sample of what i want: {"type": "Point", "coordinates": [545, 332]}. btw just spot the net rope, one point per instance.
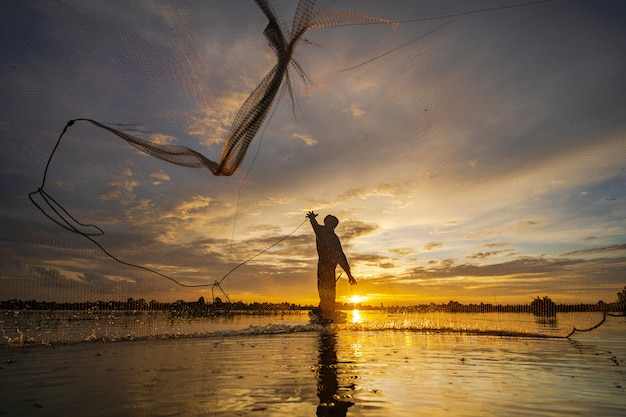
{"type": "Point", "coordinates": [247, 121]}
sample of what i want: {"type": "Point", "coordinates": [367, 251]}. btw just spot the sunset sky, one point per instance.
{"type": "Point", "coordinates": [479, 158]}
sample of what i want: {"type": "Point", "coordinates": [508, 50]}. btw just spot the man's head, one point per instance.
{"type": "Point", "coordinates": [331, 221]}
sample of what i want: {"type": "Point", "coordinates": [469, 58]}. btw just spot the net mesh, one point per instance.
{"type": "Point", "coordinates": [473, 154]}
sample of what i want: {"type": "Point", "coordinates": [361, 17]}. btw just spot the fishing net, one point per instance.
{"type": "Point", "coordinates": [473, 154]}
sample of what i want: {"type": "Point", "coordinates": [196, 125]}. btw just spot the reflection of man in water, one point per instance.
{"type": "Point", "coordinates": [330, 255]}
{"type": "Point", "coordinates": [329, 388]}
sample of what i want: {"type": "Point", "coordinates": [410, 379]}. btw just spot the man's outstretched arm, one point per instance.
{"type": "Point", "coordinates": [312, 217]}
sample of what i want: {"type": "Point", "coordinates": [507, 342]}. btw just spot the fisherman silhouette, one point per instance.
{"type": "Point", "coordinates": [330, 255]}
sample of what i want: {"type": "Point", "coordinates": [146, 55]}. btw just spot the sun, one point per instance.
{"type": "Point", "coordinates": [356, 299]}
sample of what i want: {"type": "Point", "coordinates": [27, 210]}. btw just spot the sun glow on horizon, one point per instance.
{"type": "Point", "coordinates": [356, 299]}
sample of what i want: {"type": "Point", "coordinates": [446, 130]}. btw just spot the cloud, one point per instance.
{"type": "Point", "coordinates": [603, 249]}
{"type": "Point", "coordinates": [356, 111]}
{"type": "Point", "coordinates": [480, 234]}
{"type": "Point", "coordinates": [189, 209]}
{"type": "Point", "coordinates": [161, 138]}
{"type": "Point", "coordinates": [380, 190]}
{"type": "Point", "coordinates": [371, 259]}
{"type": "Point", "coordinates": [403, 251]}
{"type": "Point", "coordinates": [160, 177]}
{"type": "Point", "coordinates": [64, 185]}
{"type": "Point", "coordinates": [530, 268]}
{"type": "Point", "coordinates": [496, 245]}
{"type": "Point", "coordinates": [122, 189]}
{"type": "Point", "coordinates": [213, 122]}
{"type": "Point", "coordinates": [307, 139]}
{"type": "Point", "coordinates": [446, 263]}
{"type": "Point", "coordinates": [431, 246]}
{"type": "Point", "coordinates": [352, 229]}
{"type": "Point", "coordinates": [485, 255]}
{"type": "Point", "coordinates": [524, 224]}
{"type": "Point", "coordinates": [438, 231]}
{"type": "Point", "coordinates": [118, 278]}
{"type": "Point", "coordinates": [51, 277]}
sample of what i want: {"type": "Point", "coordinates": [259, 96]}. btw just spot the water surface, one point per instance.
{"type": "Point", "coordinates": [277, 366]}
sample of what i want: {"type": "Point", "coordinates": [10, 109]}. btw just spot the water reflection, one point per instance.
{"type": "Point", "coordinates": [546, 322]}
{"type": "Point", "coordinates": [356, 317]}
{"type": "Point", "coordinates": [329, 389]}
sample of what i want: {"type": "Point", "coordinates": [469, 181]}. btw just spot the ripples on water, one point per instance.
{"type": "Point", "coordinates": [374, 365]}
{"type": "Point", "coordinates": [37, 327]}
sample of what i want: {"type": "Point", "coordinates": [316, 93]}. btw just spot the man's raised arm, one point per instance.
{"type": "Point", "coordinates": [312, 217]}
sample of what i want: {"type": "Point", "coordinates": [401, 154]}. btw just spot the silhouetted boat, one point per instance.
{"type": "Point", "coordinates": [543, 307]}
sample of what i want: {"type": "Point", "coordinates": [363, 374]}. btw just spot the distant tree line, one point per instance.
{"type": "Point", "coordinates": [218, 307]}
{"type": "Point", "coordinates": [177, 308]}
{"type": "Point", "coordinates": [456, 307]}
{"type": "Point", "coordinates": [539, 306]}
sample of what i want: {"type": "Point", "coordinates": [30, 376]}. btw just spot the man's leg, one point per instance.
{"type": "Point", "coordinates": [327, 290]}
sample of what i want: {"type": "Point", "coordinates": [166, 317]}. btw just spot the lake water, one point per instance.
{"type": "Point", "coordinates": [377, 364]}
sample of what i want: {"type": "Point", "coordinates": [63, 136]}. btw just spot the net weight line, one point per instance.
{"type": "Point", "coordinates": [595, 326]}
{"type": "Point", "coordinates": [55, 211]}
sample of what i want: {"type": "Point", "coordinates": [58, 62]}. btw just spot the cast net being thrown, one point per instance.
{"type": "Point", "coordinates": [473, 154]}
